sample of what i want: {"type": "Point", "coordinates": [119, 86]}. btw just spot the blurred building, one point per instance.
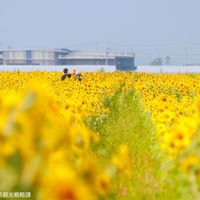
{"type": "Point", "coordinates": [122, 60]}
{"type": "Point", "coordinates": [31, 57]}
{"type": "Point", "coordinates": [1, 57]}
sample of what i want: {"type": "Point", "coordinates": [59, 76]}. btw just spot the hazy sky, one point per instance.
{"type": "Point", "coordinates": [150, 28]}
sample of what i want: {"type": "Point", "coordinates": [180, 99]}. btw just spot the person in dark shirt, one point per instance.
{"type": "Point", "coordinates": [66, 74]}
{"type": "Point", "coordinates": [63, 77]}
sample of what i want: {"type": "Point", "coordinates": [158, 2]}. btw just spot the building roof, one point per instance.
{"type": "Point", "coordinates": [35, 49]}
{"type": "Point", "coordinates": [95, 54]}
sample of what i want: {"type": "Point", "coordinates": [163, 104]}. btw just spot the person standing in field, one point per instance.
{"type": "Point", "coordinates": [66, 74]}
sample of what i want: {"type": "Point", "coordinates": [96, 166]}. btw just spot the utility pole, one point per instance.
{"type": "Point", "coordinates": [107, 52]}
{"type": "Point", "coordinates": [186, 54]}
{"type": "Point", "coordinates": [97, 46]}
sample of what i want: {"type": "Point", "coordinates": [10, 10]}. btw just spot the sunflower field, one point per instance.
{"type": "Point", "coordinates": [110, 136]}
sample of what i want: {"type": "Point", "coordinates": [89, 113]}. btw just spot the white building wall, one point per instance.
{"type": "Point", "coordinates": [51, 55]}
{"type": "Point", "coordinates": [56, 68]}
{"type": "Point", "coordinates": [43, 57]}
{"type": "Point", "coordinates": [19, 55]}
{"type": "Point", "coordinates": [14, 57]}
{"type": "Point", "coordinates": [37, 55]}
{"type": "Point", "coordinates": [168, 69]}
{"type": "Point", "coordinates": [1, 55]}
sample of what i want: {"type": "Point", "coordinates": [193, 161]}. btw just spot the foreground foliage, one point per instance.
{"type": "Point", "coordinates": [111, 136]}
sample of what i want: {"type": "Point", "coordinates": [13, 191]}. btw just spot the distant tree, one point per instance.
{"type": "Point", "coordinates": [156, 61]}
{"type": "Point", "coordinates": [168, 60]}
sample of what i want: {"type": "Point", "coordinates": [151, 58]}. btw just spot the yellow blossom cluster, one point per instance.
{"type": "Point", "coordinates": [80, 97]}
{"type": "Point", "coordinates": [174, 101]}
{"type": "Point", "coordinates": [45, 145]}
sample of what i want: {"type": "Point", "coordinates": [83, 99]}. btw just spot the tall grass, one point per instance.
{"type": "Point", "coordinates": [153, 175]}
